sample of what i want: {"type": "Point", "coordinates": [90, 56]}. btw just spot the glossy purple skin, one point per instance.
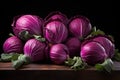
{"type": "Point", "coordinates": [30, 23]}
{"type": "Point", "coordinates": [93, 53]}
{"type": "Point", "coordinates": [13, 44]}
{"type": "Point", "coordinates": [35, 50]}
{"type": "Point", "coordinates": [56, 32]}
{"type": "Point", "coordinates": [80, 27]}
{"type": "Point", "coordinates": [59, 53]}
{"type": "Point", "coordinates": [57, 15]}
{"type": "Point", "coordinates": [107, 44]}
{"type": "Point", "coordinates": [73, 45]}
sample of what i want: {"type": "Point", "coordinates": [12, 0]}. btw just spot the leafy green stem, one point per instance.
{"type": "Point", "coordinates": [75, 63]}
{"type": "Point", "coordinates": [107, 66]}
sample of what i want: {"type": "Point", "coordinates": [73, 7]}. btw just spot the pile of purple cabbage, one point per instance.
{"type": "Point", "coordinates": [58, 40]}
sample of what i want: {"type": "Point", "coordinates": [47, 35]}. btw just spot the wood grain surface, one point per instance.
{"type": "Point", "coordinates": [55, 72]}
{"type": "Point", "coordinates": [34, 66]}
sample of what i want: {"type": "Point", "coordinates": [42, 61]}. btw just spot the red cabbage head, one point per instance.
{"type": "Point", "coordinates": [55, 31]}
{"type": "Point", "coordinates": [34, 49]}
{"type": "Point", "coordinates": [13, 44]}
{"type": "Point", "coordinates": [79, 26]}
{"type": "Point", "coordinates": [30, 23]}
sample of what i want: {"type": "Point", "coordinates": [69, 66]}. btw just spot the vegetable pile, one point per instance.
{"type": "Point", "coordinates": [58, 40]}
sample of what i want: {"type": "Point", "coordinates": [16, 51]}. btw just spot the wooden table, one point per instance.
{"type": "Point", "coordinates": [55, 72]}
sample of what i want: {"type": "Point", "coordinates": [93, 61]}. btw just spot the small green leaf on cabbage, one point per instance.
{"type": "Point", "coordinates": [8, 57]}
{"type": "Point", "coordinates": [22, 59]}
{"type": "Point", "coordinates": [106, 66]}
{"type": "Point", "coordinates": [116, 56]}
{"type": "Point", "coordinates": [76, 63]}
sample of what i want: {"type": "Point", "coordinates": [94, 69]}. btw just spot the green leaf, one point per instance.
{"type": "Point", "coordinates": [24, 35]}
{"type": "Point", "coordinates": [8, 57]}
{"type": "Point", "coordinates": [79, 64]}
{"type": "Point", "coordinates": [107, 66]}
{"type": "Point", "coordinates": [39, 37]}
{"type": "Point", "coordinates": [22, 59]}
{"type": "Point", "coordinates": [17, 63]}
{"type": "Point", "coordinates": [15, 56]}
{"type": "Point", "coordinates": [95, 32]}
{"type": "Point", "coordinates": [94, 29]}
{"type": "Point", "coordinates": [99, 67]}
{"type": "Point", "coordinates": [75, 63]}
{"type": "Point", "coordinates": [70, 62]}
{"type": "Point", "coordinates": [116, 56]}
{"type": "Point", "coordinates": [10, 34]}
{"type": "Point", "coordinates": [111, 37]}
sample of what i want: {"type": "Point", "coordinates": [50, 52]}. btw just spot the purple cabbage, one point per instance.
{"type": "Point", "coordinates": [13, 45]}
{"type": "Point", "coordinates": [73, 45]}
{"type": "Point", "coordinates": [55, 31]}
{"type": "Point", "coordinates": [35, 50]}
{"type": "Point", "coordinates": [107, 44]}
{"type": "Point", "coordinates": [93, 53]}
{"type": "Point", "coordinates": [59, 53]}
{"type": "Point", "coordinates": [31, 23]}
{"type": "Point", "coordinates": [79, 26]}
{"type": "Point", "coordinates": [57, 15]}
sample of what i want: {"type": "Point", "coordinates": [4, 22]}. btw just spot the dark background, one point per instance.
{"type": "Point", "coordinates": [100, 12]}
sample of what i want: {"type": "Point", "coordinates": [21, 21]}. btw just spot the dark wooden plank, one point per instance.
{"type": "Point", "coordinates": [55, 72]}
{"type": "Point", "coordinates": [8, 66]}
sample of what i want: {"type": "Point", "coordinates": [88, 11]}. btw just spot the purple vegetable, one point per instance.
{"type": "Point", "coordinates": [57, 15]}
{"type": "Point", "coordinates": [34, 49]}
{"type": "Point", "coordinates": [13, 44]}
{"type": "Point", "coordinates": [59, 53]}
{"type": "Point", "coordinates": [79, 26]}
{"type": "Point", "coordinates": [107, 44]}
{"type": "Point", "coordinates": [55, 31]}
{"type": "Point", "coordinates": [30, 23]}
{"type": "Point", "coordinates": [93, 53]}
{"type": "Point", "coordinates": [73, 45]}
